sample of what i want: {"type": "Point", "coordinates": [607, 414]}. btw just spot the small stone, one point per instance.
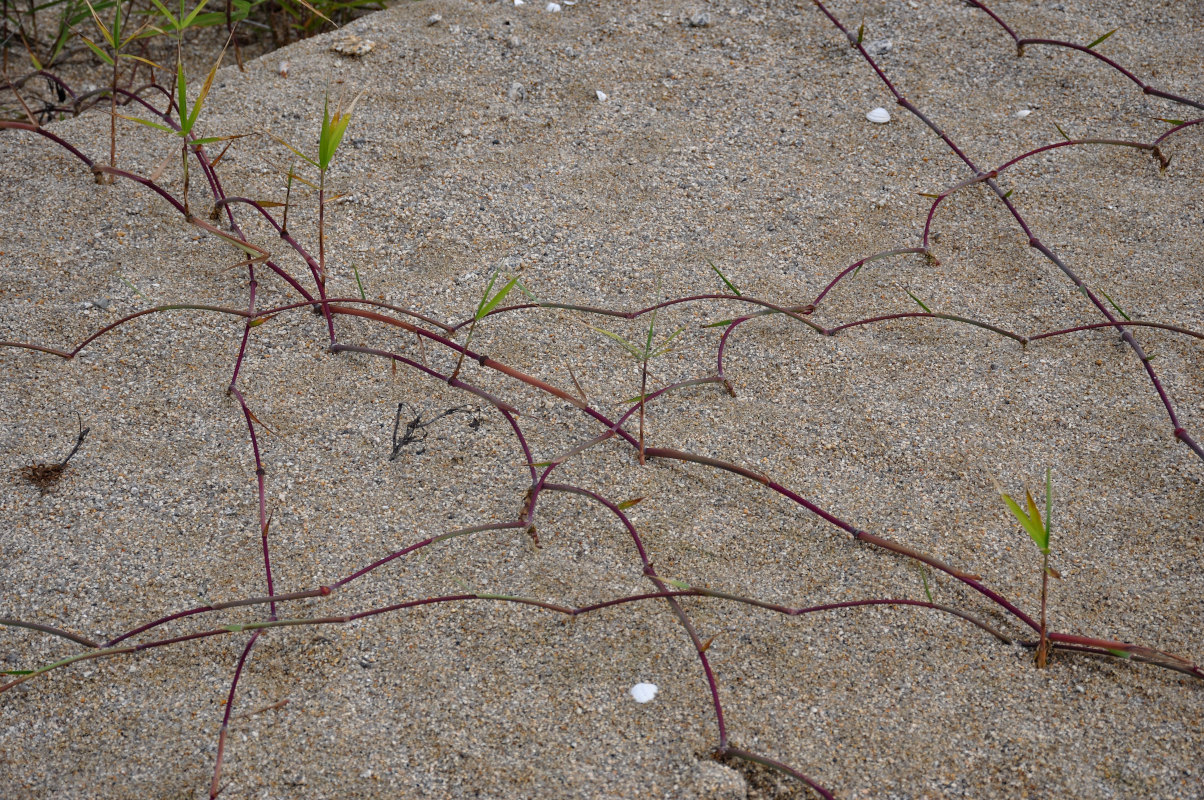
{"type": "Point", "coordinates": [553, 7]}
{"type": "Point", "coordinates": [879, 115]}
{"type": "Point", "coordinates": [879, 47]}
{"type": "Point", "coordinates": [519, 3]}
{"type": "Point", "coordinates": [517, 93]}
{"type": "Point", "coordinates": [104, 304]}
{"type": "Point", "coordinates": [700, 20]}
{"type": "Point", "coordinates": [514, 41]}
{"type": "Point", "coordinates": [644, 692]}
{"type": "Point", "coordinates": [352, 45]}
{"type": "Point", "coordinates": [434, 19]}
{"type": "Point", "coordinates": [284, 69]}
{"type": "Point", "coordinates": [1022, 113]}
{"type": "Point", "coordinates": [601, 96]}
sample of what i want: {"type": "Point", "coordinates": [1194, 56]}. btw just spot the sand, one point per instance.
{"type": "Point", "coordinates": [481, 144]}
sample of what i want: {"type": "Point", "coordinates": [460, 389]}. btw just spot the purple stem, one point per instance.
{"type": "Point", "coordinates": [1179, 430]}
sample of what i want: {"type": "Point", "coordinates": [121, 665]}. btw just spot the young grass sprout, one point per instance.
{"type": "Point", "coordinates": [1039, 531]}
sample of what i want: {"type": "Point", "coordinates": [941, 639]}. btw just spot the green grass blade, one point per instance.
{"type": "Point", "coordinates": [200, 99]}
{"type": "Point", "coordinates": [147, 123]}
{"type": "Point", "coordinates": [182, 92]}
{"type": "Point", "coordinates": [1103, 38]}
{"type": "Point", "coordinates": [187, 21]}
{"type": "Point", "coordinates": [666, 345]}
{"type": "Point", "coordinates": [101, 54]}
{"type": "Point", "coordinates": [359, 282]}
{"type": "Point", "coordinates": [1112, 302]}
{"type": "Point", "coordinates": [1031, 526]}
{"type": "Point", "coordinates": [497, 298]}
{"type": "Point", "coordinates": [1048, 506]}
{"type": "Point", "coordinates": [726, 282]}
{"type": "Point", "coordinates": [918, 300]}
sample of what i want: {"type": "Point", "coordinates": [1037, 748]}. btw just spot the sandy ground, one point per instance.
{"type": "Point", "coordinates": [481, 144]}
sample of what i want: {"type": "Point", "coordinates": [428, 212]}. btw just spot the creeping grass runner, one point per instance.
{"type": "Point", "coordinates": [1003, 621]}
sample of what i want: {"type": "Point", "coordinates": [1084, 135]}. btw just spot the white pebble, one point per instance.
{"type": "Point", "coordinates": [644, 692]}
{"type": "Point", "coordinates": [1022, 113]}
{"type": "Point", "coordinates": [284, 69]}
{"type": "Point", "coordinates": [601, 96]}
{"type": "Point", "coordinates": [879, 115]}
{"type": "Point", "coordinates": [553, 7]}
{"type": "Point", "coordinates": [519, 3]}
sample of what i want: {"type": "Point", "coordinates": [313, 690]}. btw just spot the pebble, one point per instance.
{"type": "Point", "coordinates": [553, 7]}
{"type": "Point", "coordinates": [601, 96]}
{"type": "Point", "coordinates": [517, 93]}
{"type": "Point", "coordinates": [1022, 113]}
{"type": "Point", "coordinates": [700, 20]}
{"type": "Point", "coordinates": [879, 47]}
{"type": "Point", "coordinates": [434, 19]}
{"type": "Point", "coordinates": [879, 115]}
{"type": "Point", "coordinates": [352, 45]}
{"type": "Point", "coordinates": [514, 41]}
{"type": "Point", "coordinates": [644, 692]}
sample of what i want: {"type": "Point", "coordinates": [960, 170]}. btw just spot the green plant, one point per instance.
{"type": "Point", "coordinates": [643, 354]}
{"type": "Point", "coordinates": [115, 38]}
{"type": "Point", "coordinates": [1038, 530]}
{"type": "Point", "coordinates": [484, 308]}
{"type": "Point", "coordinates": [188, 117]}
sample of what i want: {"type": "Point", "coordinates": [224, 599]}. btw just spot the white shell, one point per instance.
{"type": "Point", "coordinates": [284, 69]}
{"type": "Point", "coordinates": [879, 115]}
{"type": "Point", "coordinates": [601, 96]}
{"type": "Point", "coordinates": [553, 7]}
{"type": "Point", "coordinates": [1022, 113]}
{"type": "Point", "coordinates": [644, 692]}
{"type": "Point", "coordinates": [519, 2]}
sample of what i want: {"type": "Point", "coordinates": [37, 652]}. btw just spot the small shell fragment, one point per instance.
{"type": "Point", "coordinates": [284, 69]}
{"type": "Point", "coordinates": [1022, 113]}
{"type": "Point", "coordinates": [879, 115]}
{"type": "Point", "coordinates": [644, 692]}
{"type": "Point", "coordinates": [352, 45]}
{"type": "Point", "coordinates": [553, 7]}
{"type": "Point", "coordinates": [601, 96]}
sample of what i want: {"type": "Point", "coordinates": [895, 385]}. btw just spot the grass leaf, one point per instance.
{"type": "Point", "coordinates": [148, 123]}
{"type": "Point", "coordinates": [626, 504]}
{"type": "Point", "coordinates": [628, 346]}
{"type": "Point", "coordinates": [101, 54]}
{"type": "Point", "coordinates": [1031, 525]}
{"type": "Point", "coordinates": [1102, 38]}
{"type": "Point", "coordinates": [298, 153]}
{"type": "Point", "coordinates": [1112, 302]}
{"type": "Point", "coordinates": [726, 282]}
{"type": "Point", "coordinates": [484, 310]}
{"type": "Point", "coordinates": [918, 300]}
{"type": "Point", "coordinates": [359, 282]}
{"type": "Point", "coordinates": [200, 100]}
